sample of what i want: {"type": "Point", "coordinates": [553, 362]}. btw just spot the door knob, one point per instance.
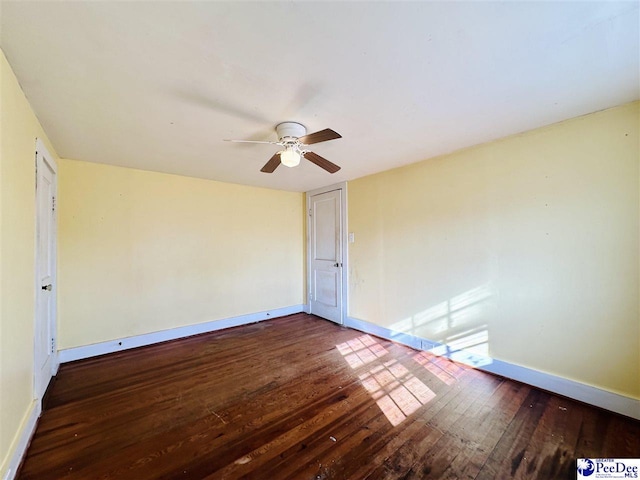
{"type": "Point", "coordinates": [47, 287]}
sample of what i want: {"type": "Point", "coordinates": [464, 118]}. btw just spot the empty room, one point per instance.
{"type": "Point", "coordinates": [319, 240]}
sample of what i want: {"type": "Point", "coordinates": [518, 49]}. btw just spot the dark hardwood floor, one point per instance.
{"type": "Point", "coordinates": [302, 398]}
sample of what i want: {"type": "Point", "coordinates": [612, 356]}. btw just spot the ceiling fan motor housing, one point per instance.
{"type": "Point", "coordinates": [290, 130]}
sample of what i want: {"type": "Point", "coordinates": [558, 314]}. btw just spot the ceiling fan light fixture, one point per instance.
{"type": "Point", "coordinates": [290, 157]}
{"type": "Point", "coordinates": [294, 138]}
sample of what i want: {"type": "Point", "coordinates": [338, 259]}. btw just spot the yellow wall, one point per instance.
{"type": "Point", "coordinates": [18, 131]}
{"type": "Point", "coordinates": [526, 249]}
{"type": "Point", "coordinates": [141, 252]}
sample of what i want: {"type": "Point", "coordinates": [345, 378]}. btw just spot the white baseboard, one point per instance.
{"type": "Point", "coordinates": [399, 337]}
{"type": "Point", "coordinates": [23, 440]}
{"type": "Point", "coordinates": [562, 386]}
{"type": "Point", "coordinates": [87, 351]}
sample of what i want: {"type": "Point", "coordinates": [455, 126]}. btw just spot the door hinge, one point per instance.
{"type": "Point", "coordinates": [53, 204]}
{"type": "Point", "coordinates": [53, 345]}
{"type": "Point", "coordinates": [309, 212]}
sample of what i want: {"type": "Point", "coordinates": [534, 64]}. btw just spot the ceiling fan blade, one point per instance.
{"type": "Point", "coordinates": [272, 164]}
{"type": "Point", "coordinates": [321, 136]}
{"type": "Point", "coordinates": [250, 141]}
{"type": "Point", "coordinates": [321, 162]}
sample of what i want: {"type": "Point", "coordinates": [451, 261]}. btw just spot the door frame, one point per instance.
{"type": "Point", "coordinates": [43, 157]}
{"type": "Point", "coordinates": [343, 243]}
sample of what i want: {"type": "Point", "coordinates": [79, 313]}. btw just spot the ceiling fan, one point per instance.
{"type": "Point", "coordinates": [293, 137]}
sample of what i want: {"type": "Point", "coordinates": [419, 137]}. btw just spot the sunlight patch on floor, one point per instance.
{"type": "Point", "coordinates": [445, 373]}
{"type": "Point", "coordinates": [361, 351]}
{"type": "Point", "coordinates": [397, 392]}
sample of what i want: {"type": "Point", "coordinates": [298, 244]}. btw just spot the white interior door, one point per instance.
{"type": "Point", "coordinates": [325, 235]}
{"type": "Point", "coordinates": [45, 362]}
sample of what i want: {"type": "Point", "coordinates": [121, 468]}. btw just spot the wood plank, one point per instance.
{"type": "Point", "coordinates": [299, 397]}
{"type": "Point", "coordinates": [550, 452]}
{"type": "Point", "coordinates": [477, 436]}
{"type": "Point", "coordinates": [506, 457]}
{"type": "Point", "coordinates": [408, 461]}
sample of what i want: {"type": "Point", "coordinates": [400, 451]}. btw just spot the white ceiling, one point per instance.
{"type": "Point", "coordinates": [158, 85]}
